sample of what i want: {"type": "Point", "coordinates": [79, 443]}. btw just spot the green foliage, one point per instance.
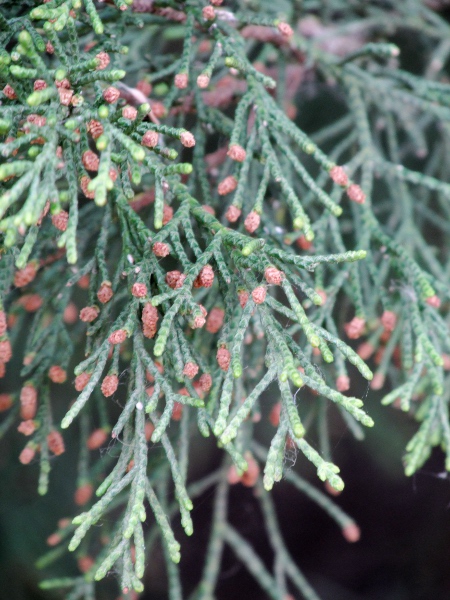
{"type": "Point", "coordinates": [154, 175]}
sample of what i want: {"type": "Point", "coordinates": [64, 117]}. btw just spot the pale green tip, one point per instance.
{"type": "Point", "coordinates": [237, 372]}
{"type": "Point", "coordinates": [65, 423]}
{"type": "Point", "coordinates": [337, 485]}
{"type": "Point", "coordinates": [299, 430]}
{"type": "Point", "coordinates": [268, 483]}
{"type": "Point", "coordinates": [298, 223]}
{"type": "Point", "coordinates": [297, 380]}
{"type": "Point", "coordinates": [314, 341]}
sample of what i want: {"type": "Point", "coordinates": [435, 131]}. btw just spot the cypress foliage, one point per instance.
{"type": "Point", "coordinates": [165, 207]}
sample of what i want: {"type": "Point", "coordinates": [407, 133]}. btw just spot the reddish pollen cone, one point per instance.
{"type": "Point", "coordinates": [351, 532]}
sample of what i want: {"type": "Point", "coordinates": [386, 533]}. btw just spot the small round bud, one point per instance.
{"type": "Point", "coordinates": [37, 120]}
{"type": "Point", "coordinates": [83, 282]}
{"type": "Point", "coordinates": [27, 427]}
{"type": "Point", "coordinates": [181, 81]}
{"type": "Point", "coordinates": [5, 351]}
{"type": "Point", "coordinates": [378, 381]}
{"type": "Point", "coordinates": [343, 383]}
{"type": "Point", "coordinates": [274, 416]}
{"type": "Point", "coordinates": [433, 301]}
{"type": "Point", "coordinates": [27, 455]}
{"type": "Point", "coordinates": [177, 411]}
{"type": "Point", "coordinates": [97, 438]}
{"type": "Point", "coordinates": [149, 320]}
{"type": "Point", "coordinates": [252, 222]}
{"type": "Point", "coordinates": [175, 279]}
{"type": "Point", "coordinates": [205, 278]}
{"type": "Point", "coordinates": [54, 539]}
{"type": "Point", "coordinates": [199, 320]}
{"type": "Point", "coordinates": [243, 296]}
{"type": "Point", "coordinates": [259, 295]}
{"type": "Point", "coordinates": [139, 290]}
{"type": "Point", "coordinates": [303, 243]}
{"type": "Point", "coordinates": [187, 139]}
{"type": "Point", "coordinates": [228, 185]}
{"type": "Point", "coordinates": [233, 476]}
{"type": "Point", "coordinates": [83, 494]}
{"type": "Point", "coordinates": [81, 381]}
{"type": "Point", "coordinates": [95, 128]}
{"type": "Point", "coordinates": [31, 302]}
{"type": "Point", "coordinates": [365, 350]}
{"type": "Point", "coordinates": [6, 401]}
{"type": "Point", "coordinates": [205, 382]}
{"type": "Point", "coordinates": [388, 320]}
{"type": "Point", "coordinates": [84, 184]}
{"type": "Point", "coordinates": [285, 29]}
{"type": "Point", "coordinates": [215, 319]}
{"type": "Point", "coordinates": [144, 86]}
{"type": "Point", "coordinates": [9, 92]}
{"type": "Point", "coordinates": [63, 83]}
{"type": "Point", "coordinates": [237, 153]}
{"type": "Point", "coordinates": [167, 214]}
{"type": "Point", "coordinates": [355, 328]}
{"type": "Point", "coordinates": [150, 139]}
{"type": "Point", "coordinates": [129, 112]}
{"type": "Point", "coordinates": [111, 94]}
{"type": "Point", "coordinates": [250, 476]}
{"type": "Point", "coordinates": [190, 370]}
{"type": "Point", "coordinates": [160, 249]}
{"type": "Point", "coordinates": [209, 13]}
{"type": "Point", "coordinates": [65, 96]}
{"type": "Point", "coordinates": [339, 176]}
{"type": "Point", "coordinates": [55, 443]}
{"type": "Point", "coordinates": [355, 193]}
{"type": "Point", "coordinates": [351, 532]}
{"type": "Point", "coordinates": [117, 337]}
{"type": "Point", "coordinates": [89, 314]}
{"type": "Point", "coordinates": [39, 84]}
{"type": "Point", "coordinates": [159, 110]}
{"type": "Point", "coordinates": [3, 324]}
{"type": "Point", "coordinates": [273, 276]}
{"type": "Point", "coordinates": [60, 220]}
{"type": "Point", "coordinates": [203, 81]}
{"type": "Point", "coordinates": [90, 160]}
{"type": "Point", "coordinates": [104, 60]}
{"type": "Point", "coordinates": [109, 385]}
{"type": "Point", "coordinates": [233, 213]}
{"type": "Point", "coordinates": [26, 275]}
{"type": "Point", "coordinates": [57, 374]}
{"type": "Point", "coordinates": [28, 402]}
{"type": "Point", "coordinates": [105, 292]}
{"type": "Point", "coordinates": [223, 357]}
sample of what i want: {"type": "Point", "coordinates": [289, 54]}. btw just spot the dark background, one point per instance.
{"type": "Point", "coordinates": [403, 554]}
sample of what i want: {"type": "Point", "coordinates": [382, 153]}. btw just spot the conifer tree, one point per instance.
{"type": "Point", "coordinates": [188, 249]}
